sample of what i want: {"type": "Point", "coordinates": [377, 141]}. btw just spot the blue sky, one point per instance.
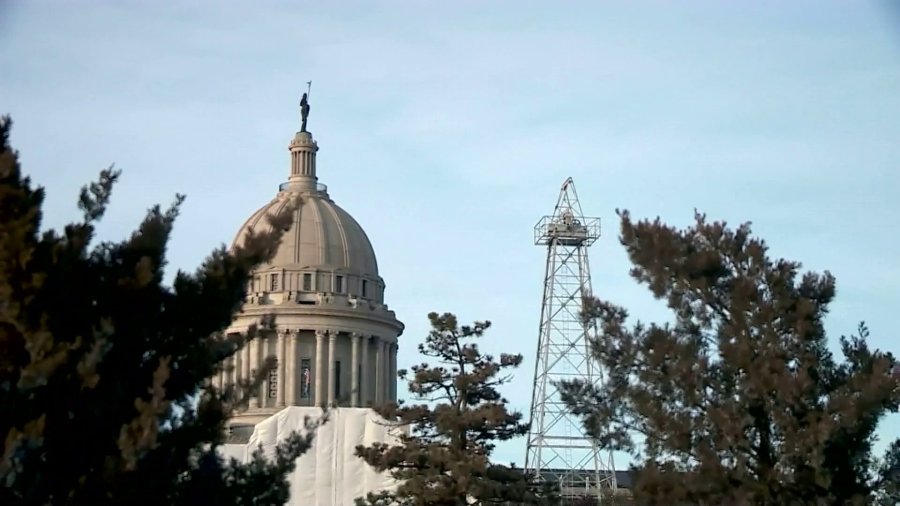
{"type": "Point", "coordinates": [446, 130]}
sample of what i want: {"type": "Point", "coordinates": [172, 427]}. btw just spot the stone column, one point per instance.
{"type": "Point", "coordinates": [320, 368]}
{"type": "Point", "coordinates": [246, 361]}
{"type": "Point", "coordinates": [236, 360]}
{"type": "Point", "coordinates": [291, 383]}
{"type": "Point", "coordinates": [281, 353]}
{"type": "Point", "coordinates": [366, 380]}
{"type": "Point", "coordinates": [254, 366]}
{"type": "Point", "coordinates": [354, 371]}
{"type": "Point", "coordinates": [379, 371]}
{"type": "Point", "coordinates": [332, 343]}
{"type": "Point", "coordinates": [387, 371]}
{"type": "Point", "coordinates": [263, 392]}
{"type": "Point", "coordinates": [392, 373]}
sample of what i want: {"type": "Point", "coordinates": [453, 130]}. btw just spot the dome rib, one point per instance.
{"type": "Point", "coordinates": [358, 232]}
{"type": "Point", "coordinates": [341, 233]}
{"type": "Point", "coordinates": [298, 217]}
{"type": "Point", "coordinates": [321, 234]}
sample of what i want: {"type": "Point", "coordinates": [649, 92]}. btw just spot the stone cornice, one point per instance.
{"type": "Point", "coordinates": [385, 318]}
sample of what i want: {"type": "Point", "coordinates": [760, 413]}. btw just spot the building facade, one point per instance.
{"type": "Point", "coordinates": [335, 339]}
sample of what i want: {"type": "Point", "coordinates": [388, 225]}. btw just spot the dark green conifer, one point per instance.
{"type": "Point", "coordinates": [103, 369]}
{"type": "Point", "coordinates": [445, 457]}
{"type": "Point", "coordinates": [738, 401]}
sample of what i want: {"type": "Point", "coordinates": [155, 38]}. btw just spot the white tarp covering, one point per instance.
{"type": "Point", "coordinates": [237, 452]}
{"type": "Point", "coordinates": [329, 474]}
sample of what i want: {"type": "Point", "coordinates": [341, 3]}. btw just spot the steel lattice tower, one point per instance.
{"type": "Point", "coordinates": [558, 448]}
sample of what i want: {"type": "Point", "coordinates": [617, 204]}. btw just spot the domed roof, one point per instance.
{"type": "Point", "coordinates": [324, 251]}
{"type": "Point", "coordinates": [322, 235]}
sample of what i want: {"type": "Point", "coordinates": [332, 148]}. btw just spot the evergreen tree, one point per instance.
{"type": "Point", "coordinates": [888, 476]}
{"type": "Point", "coordinates": [738, 401]}
{"type": "Point", "coordinates": [103, 369]}
{"type": "Point", "coordinates": [444, 458]}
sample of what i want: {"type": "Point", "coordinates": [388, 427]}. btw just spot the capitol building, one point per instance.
{"type": "Point", "coordinates": [334, 341]}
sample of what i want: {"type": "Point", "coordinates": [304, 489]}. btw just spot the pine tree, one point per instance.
{"type": "Point", "coordinates": [888, 476]}
{"type": "Point", "coordinates": [103, 368]}
{"type": "Point", "coordinates": [739, 401]}
{"type": "Point", "coordinates": [444, 459]}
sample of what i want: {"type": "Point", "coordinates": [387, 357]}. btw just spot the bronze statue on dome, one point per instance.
{"type": "Point", "coordinates": [304, 112]}
{"type": "Point", "coordinates": [304, 107]}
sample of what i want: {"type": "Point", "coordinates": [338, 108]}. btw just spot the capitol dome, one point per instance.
{"type": "Point", "coordinates": [325, 250]}
{"type": "Point", "coordinates": [322, 235]}
{"type": "Point", "coordinates": [334, 340]}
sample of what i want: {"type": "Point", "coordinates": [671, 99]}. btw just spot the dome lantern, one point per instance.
{"type": "Point", "coordinates": [303, 150]}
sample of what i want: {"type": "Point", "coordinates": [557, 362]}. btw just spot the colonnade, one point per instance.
{"type": "Point", "coordinates": [290, 379]}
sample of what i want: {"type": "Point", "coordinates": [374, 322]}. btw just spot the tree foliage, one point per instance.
{"type": "Point", "coordinates": [103, 368]}
{"type": "Point", "coordinates": [888, 476]}
{"type": "Point", "coordinates": [444, 458]}
{"type": "Point", "coordinates": [738, 400]}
